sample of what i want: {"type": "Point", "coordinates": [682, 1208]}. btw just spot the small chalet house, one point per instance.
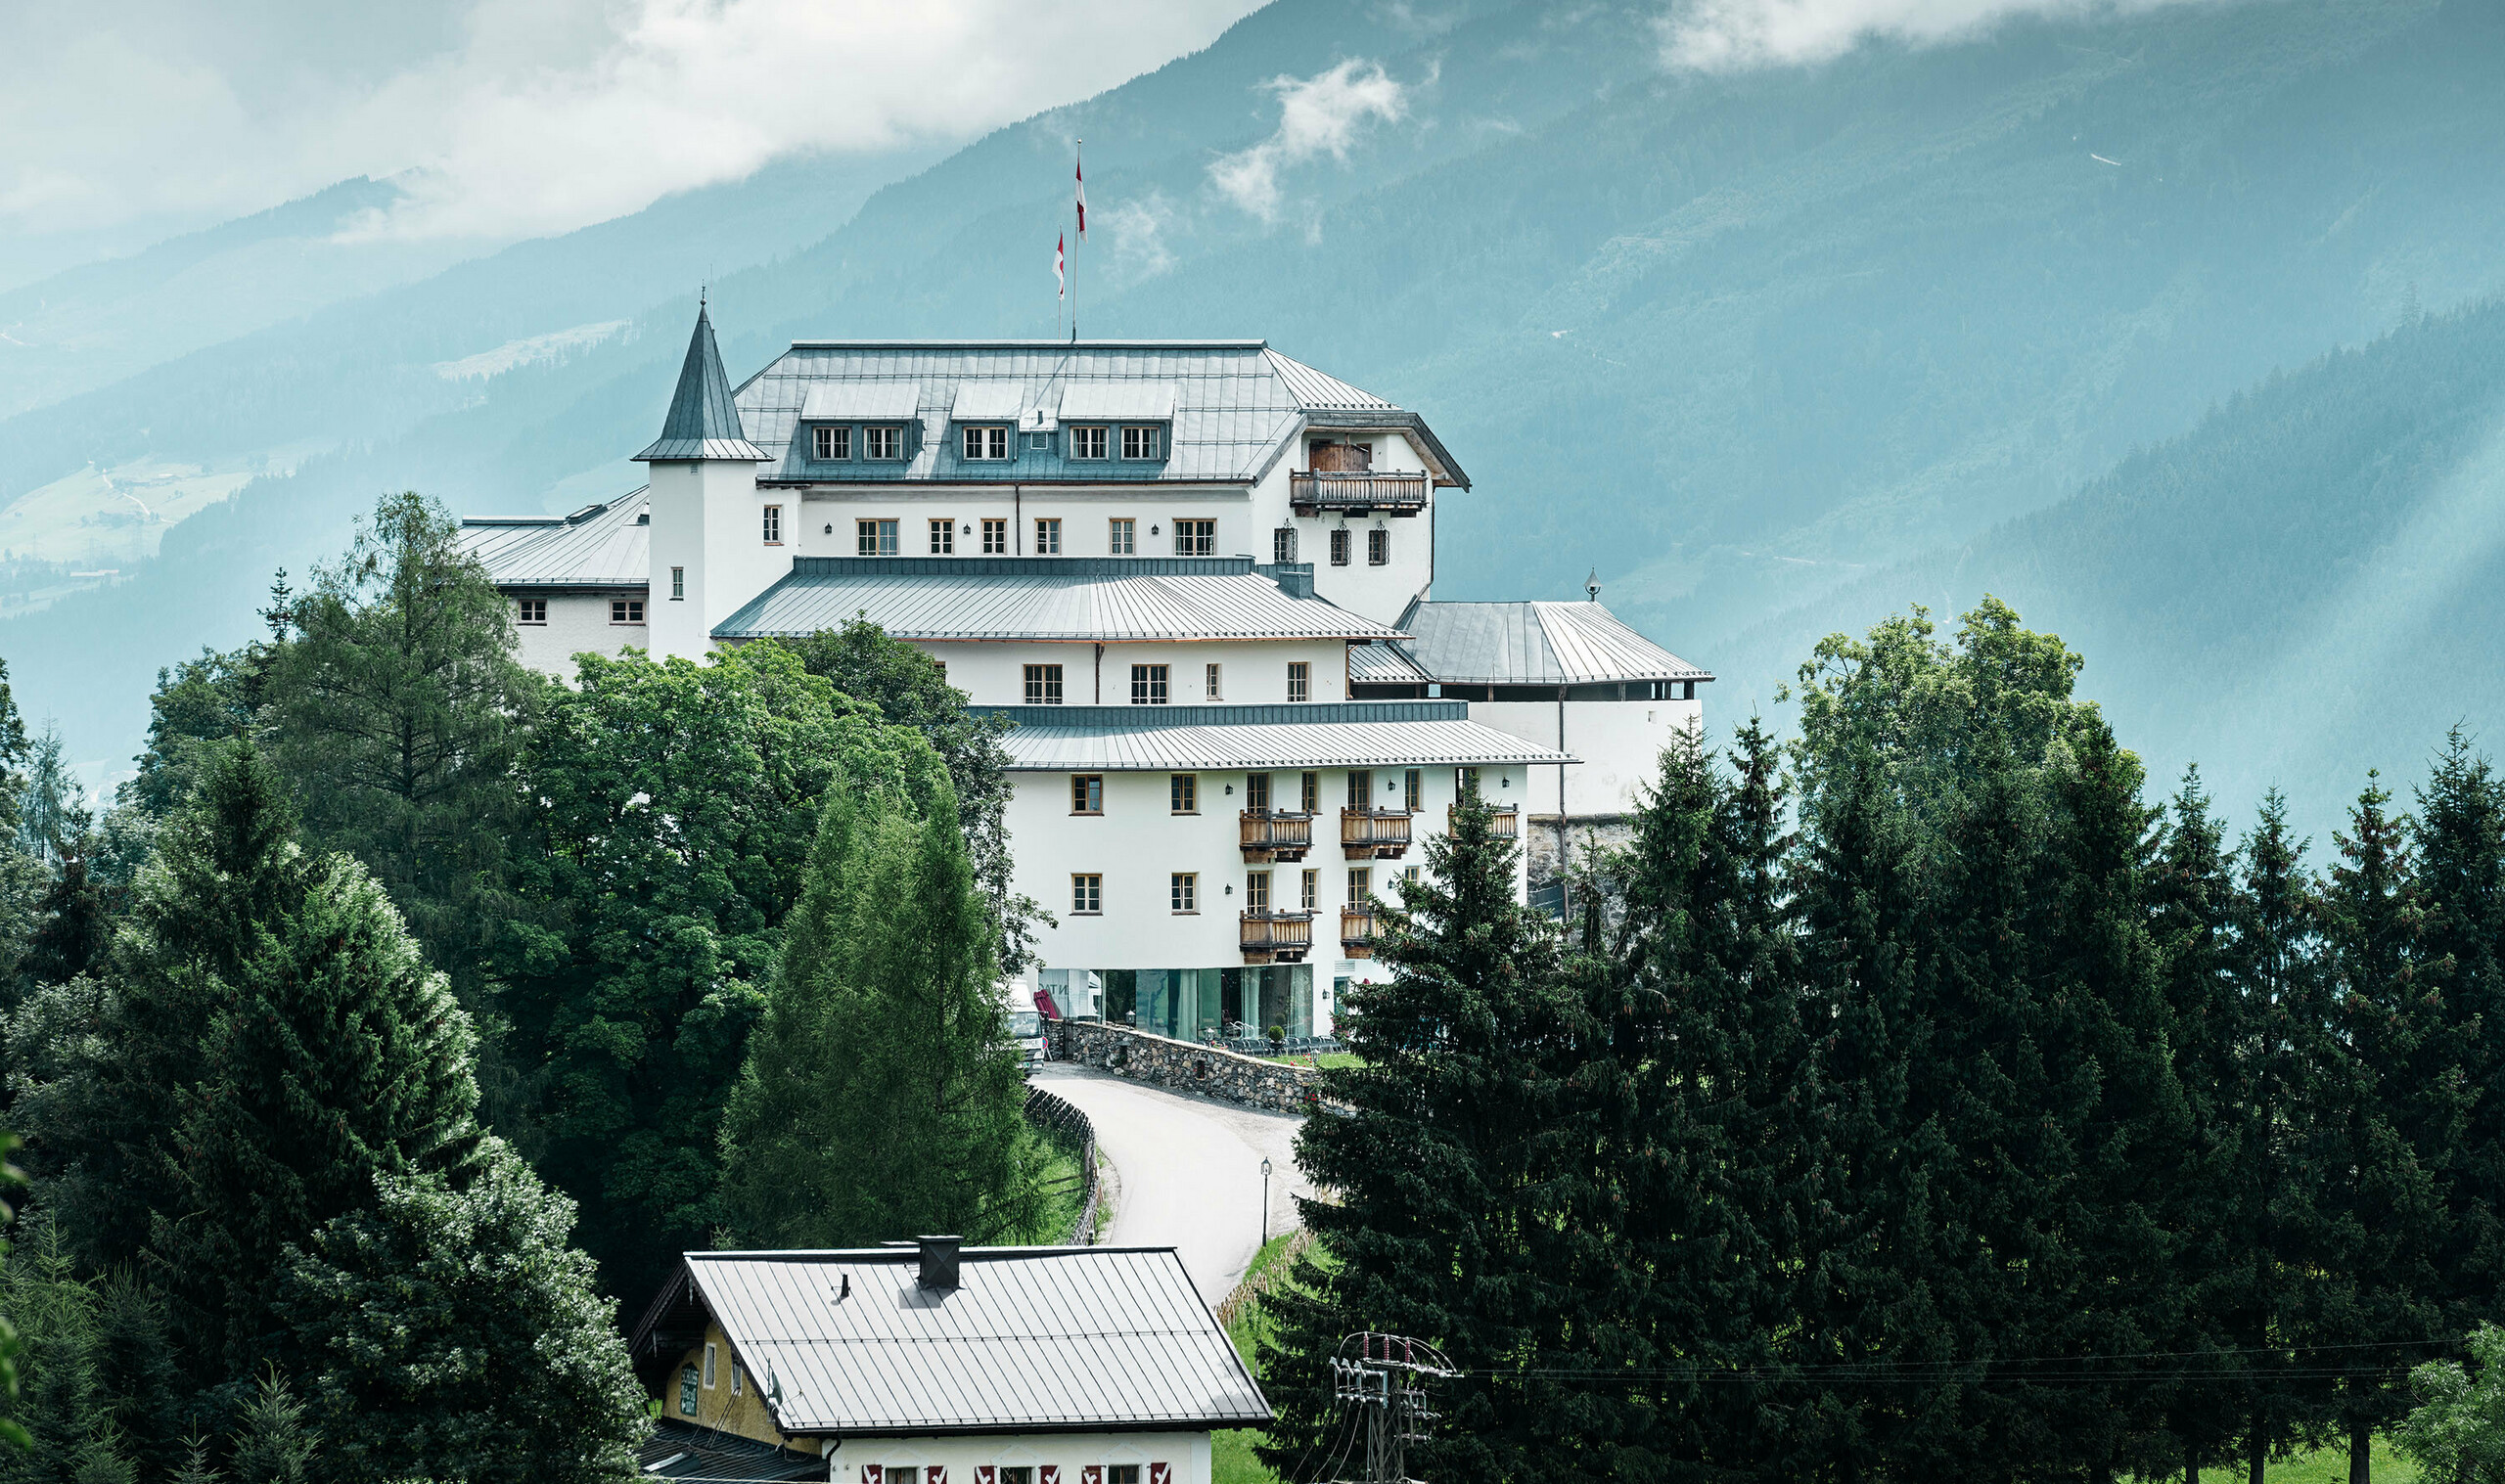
{"type": "Point", "coordinates": [930, 1365]}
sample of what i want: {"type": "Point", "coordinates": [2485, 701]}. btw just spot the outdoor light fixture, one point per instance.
{"type": "Point", "coordinates": [1230, 789]}
{"type": "Point", "coordinates": [1151, 530]}
{"type": "Point", "coordinates": [829, 527]}
{"type": "Point", "coordinates": [1230, 888]}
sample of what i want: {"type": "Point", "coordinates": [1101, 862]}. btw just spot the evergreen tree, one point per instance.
{"type": "Point", "coordinates": [63, 1404]}
{"type": "Point", "coordinates": [2458, 840]}
{"type": "Point", "coordinates": [453, 1335]}
{"type": "Point", "coordinates": [137, 1370]}
{"type": "Point", "coordinates": [199, 705]}
{"type": "Point", "coordinates": [273, 1443]}
{"type": "Point", "coordinates": [71, 926]}
{"type": "Point", "coordinates": [1459, 1170]}
{"type": "Point", "coordinates": [882, 1095]}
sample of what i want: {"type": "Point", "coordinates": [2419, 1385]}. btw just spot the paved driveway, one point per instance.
{"type": "Point", "coordinates": [1189, 1170]}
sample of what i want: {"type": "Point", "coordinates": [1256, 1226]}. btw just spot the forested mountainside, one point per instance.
{"type": "Point", "coordinates": [2309, 585]}
{"type": "Point", "coordinates": [1733, 340]}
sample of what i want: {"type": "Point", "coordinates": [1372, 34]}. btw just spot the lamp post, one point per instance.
{"type": "Point", "coordinates": [1266, 1210]}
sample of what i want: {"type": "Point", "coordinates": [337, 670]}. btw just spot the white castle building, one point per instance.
{"type": "Point", "coordinates": [1195, 575]}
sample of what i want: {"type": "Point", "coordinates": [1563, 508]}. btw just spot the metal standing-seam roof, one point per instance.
{"type": "Point", "coordinates": [1033, 1339]}
{"type": "Point", "coordinates": [702, 423]}
{"type": "Point", "coordinates": [1378, 664]}
{"type": "Point", "coordinates": [1042, 598]}
{"type": "Point", "coordinates": [1231, 407]}
{"type": "Point", "coordinates": [602, 547]}
{"type": "Point", "coordinates": [1533, 644]}
{"type": "Point", "coordinates": [1377, 734]}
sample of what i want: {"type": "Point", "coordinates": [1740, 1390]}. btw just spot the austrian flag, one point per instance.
{"type": "Point", "coordinates": [1061, 271]}
{"type": "Point", "coordinates": [1082, 197]}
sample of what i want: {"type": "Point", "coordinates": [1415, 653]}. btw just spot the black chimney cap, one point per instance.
{"type": "Point", "coordinates": [938, 1262]}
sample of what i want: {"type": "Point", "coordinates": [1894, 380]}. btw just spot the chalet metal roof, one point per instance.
{"type": "Point", "coordinates": [1376, 664]}
{"type": "Point", "coordinates": [1533, 644]}
{"type": "Point", "coordinates": [1033, 1340]}
{"type": "Point", "coordinates": [601, 548]}
{"type": "Point", "coordinates": [1232, 407]}
{"type": "Point", "coordinates": [702, 421]}
{"type": "Point", "coordinates": [1379, 733]}
{"type": "Point", "coordinates": [693, 1454]}
{"type": "Point", "coordinates": [1110, 599]}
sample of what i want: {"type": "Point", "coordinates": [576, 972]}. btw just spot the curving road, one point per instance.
{"type": "Point", "coordinates": [1187, 1171]}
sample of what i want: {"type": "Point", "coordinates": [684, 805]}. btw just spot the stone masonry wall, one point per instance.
{"type": "Point", "coordinates": [1186, 1066]}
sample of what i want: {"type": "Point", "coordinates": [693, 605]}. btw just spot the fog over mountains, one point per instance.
{"type": "Point", "coordinates": [2163, 325]}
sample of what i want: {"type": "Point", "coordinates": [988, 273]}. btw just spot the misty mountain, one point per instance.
{"type": "Point", "coordinates": [1739, 343]}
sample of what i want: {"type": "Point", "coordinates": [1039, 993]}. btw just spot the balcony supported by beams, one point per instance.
{"type": "Point", "coordinates": [1276, 937]}
{"type": "Point", "coordinates": [1374, 834]}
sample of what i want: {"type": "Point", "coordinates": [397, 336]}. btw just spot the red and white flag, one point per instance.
{"type": "Point", "coordinates": [1061, 269]}
{"type": "Point", "coordinates": [1082, 197]}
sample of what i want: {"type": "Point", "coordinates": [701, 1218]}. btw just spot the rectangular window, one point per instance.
{"type": "Point", "coordinates": [1143, 443]}
{"type": "Point", "coordinates": [1310, 792]}
{"type": "Point", "coordinates": [1087, 793]}
{"type": "Point", "coordinates": [1256, 892]}
{"type": "Point", "coordinates": [1087, 893]}
{"type": "Point", "coordinates": [1124, 537]}
{"type": "Point", "coordinates": [1360, 885]}
{"type": "Point", "coordinates": [986, 443]}
{"type": "Point", "coordinates": [1020, 1474]}
{"type": "Point", "coordinates": [1311, 899]}
{"type": "Point", "coordinates": [1121, 1473]}
{"type": "Point", "coordinates": [1256, 793]}
{"type": "Point", "coordinates": [943, 537]}
{"type": "Point", "coordinates": [1283, 544]}
{"type": "Point", "coordinates": [1043, 685]}
{"type": "Point", "coordinates": [678, 584]}
{"type": "Point", "coordinates": [687, 1390]}
{"type": "Point", "coordinates": [995, 538]}
{"type": "Point", "coordinates": [1195, 538]}
{"type": "Point", "coordinates": [625, 610]}
{"type": "Point", "coordinates": [1378, 547]}
{"type": "Point", "coordinates": [876, 538]}
{"type": "Point", "coordinates": [830, 443]}
{"type": "Point", "coordinates": [739, 1377]}
{"type": "Point", "coordinates": [1464, 782]}
{"type": "Point", "coordinates": [1147, 685]}
{"type": "Point", "coordinates": [534, 609]}
{"type": "Point", "coordinates": [1340, 547]}
{"type": "Point", "coordinates": [774, 525]}
{"type": "Point", "coordinates": [708, 1368]}
{"type": "Point", "coordinates": [1047, 537]}
{"type": "Point", "coordinates": [1413, 792]}
{"type": "Point", "coordinates": [1300, 680]}
{"type": "Point", "coordinates": [882, 442]}
{"type": "Point", "coordinates": [1186, 891]}
{"type": "Point", "coordinates": [1183, 792]}
{"type": "Point", "coordinates": [1409, 875]}
{"type": "Point", "coordinates": [1208, 685]}
{"type": "Point", "coordinates": [1360, 788]}
{"type": "Point", "coordinates": [1087, 442]}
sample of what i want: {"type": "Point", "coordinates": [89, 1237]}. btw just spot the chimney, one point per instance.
{"type": "Point", "coordinates": [938, 1262]}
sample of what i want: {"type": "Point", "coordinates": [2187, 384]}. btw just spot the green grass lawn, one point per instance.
{"type": "Point", "coordinates": [1231, 1460]}
{"type": "Point", "coordinates": [1325, 1058]}
{"type": "Point", "coordinates": [2326, 1465]}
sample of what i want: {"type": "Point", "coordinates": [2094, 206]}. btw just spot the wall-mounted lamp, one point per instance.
{"type": "Point", "coordinates": [1230, 787]}
{"type": "Point", "coordinates": [1504, 780]}
{"type": "Point", "coordinates": [1151, 530]}
{"type": "Point", "coordinates": [1230, 888]}
{"type": "Point", "coordinates": [965, 530]}
{"type": "Point", "coordinates": [829, 527]}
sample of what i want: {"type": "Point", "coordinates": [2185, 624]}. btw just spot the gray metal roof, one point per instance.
{"type": "Point", "coordinates": [1233, 406]}
{"type": "Point", "coordinates": [1534, 644]}
{"type": "Point", "coordinates": [702, 421]}
{"type": "Point", "coordinates": [600, 546]}
{"type": "Point", "coordinates": [1332, 735]}
{"type": "Point", "coordinates": [1383, 664]}
{"type": "Point", "coordinates": [697, 1455]}
{"type": "Point", "coordinates": [1042, 598]}
{"type": "Point", "coordinates": [1033, 1340]}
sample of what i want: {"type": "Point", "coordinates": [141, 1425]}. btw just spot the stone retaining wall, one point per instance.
{"type": "Point", "coordinates": [1186, 1066]}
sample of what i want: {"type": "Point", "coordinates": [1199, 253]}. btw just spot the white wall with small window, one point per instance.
{"type": "Point", "coordinates": [1250, 672]}
{"type": "Point", "coordinates": [566, 624]}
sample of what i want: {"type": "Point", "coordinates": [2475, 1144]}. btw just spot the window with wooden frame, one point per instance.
{"type": "Point", "coordinates": [1145, 442]}
{"type": "Point", "coordinates": [678, 584]}
{"type": "Point", "coordinates": [1185, 889]}
{"type": "Point", "coordinates": [1283, 545]}
{"type": "Point", "coordinates": [1256, 892]}
{"type": "Point", "coordinates": [773, 526]}
{"type": "Point", "coordinates": [1256, 793]}
{"type": "Point", "coordinates": [1378, 547]}
{"type": "Point", "coordinates": [1196, 538]}
{"type": "Point", "coordinates": [1209, 684]}
{"type": "Point", "coordinates": [985, 444]}
{"type": "Point", "coordinates": [1413, 791]}
{"type": "Point", "coordinates": [1122, 537]}
{"type": "Point", "coordinates": [1183, 793]}
{"type": "Point", "coordinates": [875, 538]}
{"type": "Point", "coordinates": [1311, 894]}
{"type": "Point", "coordinates": [885, 443]}
{"type": "Point", "coordinates": [709, 1367]}
{"type": "Point", "coordinates": [1087, 442]}
{"type": "Point", "coordinates": [1360, 885]}
{"type": "Point", "coordinates": [1087, 793]}
{"type": "Point", "coordinates": [1086, 893]}
{"type": "Point", "coordinates": [1360, 788]}
{"type": "Point", "coordinates": [1340, 547]}
{"type": "Point", "coordinates": [943, 536]}
{"type": "Point", "coordinates": [533, 611]}
{"type": "Point", "coordinates": [1310, 792]}
{"type": "Point", "coordinates": [1047, 536]}
{"type": "Point", "coordinates": [1147, 685]}
{"type": "Point", "coordinates": [828, 444]}
{"type": "Point", "coordinates": [1300, 680]}
{"type": "Point", "coordinates": [995, 538]}
{"type": "Point", "coordinates": [1043, 685]}
{"type": "Point", "coordinates": [625, 610]}
{"type": "Point", "coordinates": [1464, 782]}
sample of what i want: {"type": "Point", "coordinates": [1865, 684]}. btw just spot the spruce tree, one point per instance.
{"type": "Point", "coordinates": [1460, 1171]}
{"type": "Point", "coordinates": [63, 1403]}
{"type": "Point", "coordinates": [2458, 840]}
{"type": "Point", "coordinates": [273, 1443]}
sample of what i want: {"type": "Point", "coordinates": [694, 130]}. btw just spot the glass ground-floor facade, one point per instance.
{"type": "Point", "coordinates": [1189, 1004]}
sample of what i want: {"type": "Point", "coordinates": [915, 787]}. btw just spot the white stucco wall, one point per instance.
{"type": "Point", "coordinates": [1085, 513]}
{"type": "Point", "coordinates": [577, 622]}
{"type": "Point", "coordinates": [709, 518]}
{"type": "Point", "coordinates": [1619, 742]}
{"type": "Point", "coordinates": [1250, 673]}
{"type": "Point", "coordinates": [1186, 1453]}
{"type": "Point", "coordinates": [1381, 593]}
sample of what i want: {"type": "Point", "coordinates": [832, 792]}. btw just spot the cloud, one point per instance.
{"type": "Point", "coordinates": [1727, 36]}
{"type": "Point", "coordinates": [1317, 114]}
{"type": "Point", "coordinates": [515, 117]}
{"type": "Point", "coordinates": [1138, 229]}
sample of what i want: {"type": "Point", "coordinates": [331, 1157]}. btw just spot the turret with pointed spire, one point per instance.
{"type": "Point", "coordinates": [703, 423]}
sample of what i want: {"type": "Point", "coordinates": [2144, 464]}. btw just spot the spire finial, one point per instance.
{"type": "Point", "coordinates": [1592, 585]}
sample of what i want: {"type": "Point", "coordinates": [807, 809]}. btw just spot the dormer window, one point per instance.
{"type": "Point", "coordinates": [1144, 442]}
{"type": "Point", "coordinates": [1087, 442]}
{"type": "Point", "coordinates": [882, 443]}
{"type": "Point", "coordinates": [986, 443]}
{"type": "Point", "coordinates": [828, 445]}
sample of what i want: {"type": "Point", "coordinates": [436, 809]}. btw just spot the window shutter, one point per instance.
{"type": "Point", "coordinates": [870, 1474]}
{"type": "Point", "coordinates": [1091, 1473]}
{"type": "Point", "coordinates": [935, 1473]}
{"type": "Point", "coordinates": [1161, 1473]}
{"type": "Point", "coordinates": [985, 1473]}
{"type": "Point", "coordinates": [1049, 1473]}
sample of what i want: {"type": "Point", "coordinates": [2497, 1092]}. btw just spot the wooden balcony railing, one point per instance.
{"type": "Point", "coordinates": [1276, 836]}
{"type": "Point", "coordinates": [1356, 931]}
{"type": "Point", "coordinates": [1277, 937]}
{"type": "Point", "coordinates": [1374, 834]}
{"type": "Point", "coordinates": [1507, 820]}
{"type": "Point", "coordinates": [1357, 493]}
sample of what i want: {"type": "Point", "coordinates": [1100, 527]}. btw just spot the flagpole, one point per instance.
{"type": "Point", "coordinates": [1079, 152]}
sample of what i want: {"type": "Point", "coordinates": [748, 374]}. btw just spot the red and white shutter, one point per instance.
{"type": "Point", "coordinates": [985, 1473]}
{"type": "Point", "coordinates": [935, 1473]}
{"type": "Point", "coordinates": [1091, 1473]}
{"type": "Point", "coordinates": [1161, 1473]}
{"type": "Point", "coordinates": [870, 1474]}
{"type": "Point", "coordinates": [1049, 1473]}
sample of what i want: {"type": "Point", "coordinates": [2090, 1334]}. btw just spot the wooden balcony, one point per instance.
{"type": "Point", "coordinates": [1272, 835]}
{"type": "Point", "coordinates": [1374, 834]}
{"type": "Point", "coordinates": [1276, 937]}
{"type": "Point", "coordinates": [1356, 931]}
{"type": "Point", "coordinates": [1505, 821]}
{"type": "Point", "coordinates": [1359, 493]}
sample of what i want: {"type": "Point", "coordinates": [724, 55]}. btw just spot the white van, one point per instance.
{"type": "Point", "coordinates": [1025, 1024]}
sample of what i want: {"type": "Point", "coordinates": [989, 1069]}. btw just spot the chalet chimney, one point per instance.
{"type": "Point", "coordinates": [938, 1262]}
